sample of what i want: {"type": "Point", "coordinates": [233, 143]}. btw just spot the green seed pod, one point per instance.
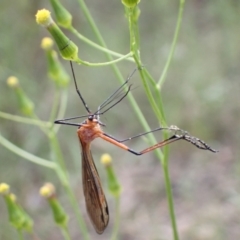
{"type": "Point", "coordinates": [67, 48]}
{"type": "Point", "coordinates": [64, 18]}
{"type": "Point", "coordinates": [113, 184]}
{"type": "Point", "coordinates": [17, 216]}
{"type": "Point", "coordinates": [130, 3]}
{"type": "Point", "coordinates": [59, 215]}
{"type": "Point", "coordinates": [56, 71]}
{"type": "Point", "coordinates": [26, 105]}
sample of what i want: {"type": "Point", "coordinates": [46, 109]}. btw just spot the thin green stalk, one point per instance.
{"type": "Point", "coordinates": [170, 200]}
{"type": "Point", "coordinates": [93, 44]}
{"type": "Point", "coordinates": [149, 94]}
{"type": "Point", "coordinates": [93, 26]}
{"type": "Point", "coordinates": [26, 155]}
{"type": "Point", "coordinates": [150, 78]}
{"type": "Point", "coordinates": [62, 109]}
{"type": "Point", "coordinates": [165, 150]}
{"type": "Point", "coordinates": [135, 49]}
{"type": "Point", "coordinates": [56, 150]}
{"type": "Point", "coordinates": [25, 120]}
{"type": "Point", "coordinates": [136, 30]}
{"type": "Point", "coordinates": [44, 130]}
{"type": "Point", "coordinates": [54, 109]}
{"type": "Point", "coordinates": [20, 235]}
{"type": "Point", "coordinates": [173, 45]}
{"type": "Point", "coordinates": [133, 26]}
{"type": "Point", "coordinates": [75, 207]}
{"type": "Point", "coordinates": [104, 63]}
{"type": "Point", "coordinates": [116, 219]}
{"type": "Point", "coordinates": [58, 158]}
{"type": "Point", "coordinates": [160, 116]}
{"type": "Point", "coordinates": [157, 96]}
{"type": "Point", "coordinates": [65, 233]}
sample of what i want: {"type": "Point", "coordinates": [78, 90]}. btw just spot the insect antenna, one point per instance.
{"type": "Point", "coordinates": [115, 95]}
{"type": "Point", "coordinates": [119, 94]}
{"type": "Point", "coordinates": [78, 92]}
{"type": "Point", "coordinates": [118, 101]}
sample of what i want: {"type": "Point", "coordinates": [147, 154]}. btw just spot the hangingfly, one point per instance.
{"type": "Point", "coordinates": [90, 129]}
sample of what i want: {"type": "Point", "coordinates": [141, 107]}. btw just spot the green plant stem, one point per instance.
{"type": "Point", "coordinates": [65, 233]}
{"type": "Point", "coordinates": [25, 120]}
{"type": "Point", "coordinates": [173, 45]}
{"type": "Point", "coordinates": [73, 203]}
{"type": "Point", "coordinates": [104, 63]}
{"type": "Point", "coordinates": [135, 49]}
{"type": "Point", "coordinates": [158, 97]}
{"type": "Point", "coordinates": [56, 151]}
{"type": "Point", "coordinates": [26, 155]}
{"type": "Point", "coordinates": [159, 114]}
{"type": "Point", "coordinates": [75, 207]}
{"type": "Point", "coordinates": [170, 199]}
{"type": "Point", "coordinates": [20, 235]}
{"type": "Point", "coordinates": [54, 110]}
{"type": "Point", "coordinates": [91, 43]}
{"type": "Point", "coordinates": [44, 130]}
{"type": "Point", "coordinates": [133, 28]}
{"type": "Point", "coordinates": [116, 219]}
{"type": "Point", "coordinates": [62, 109]}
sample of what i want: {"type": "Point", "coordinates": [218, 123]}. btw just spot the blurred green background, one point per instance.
{"type": "Point", "coordinates": [201, 95]}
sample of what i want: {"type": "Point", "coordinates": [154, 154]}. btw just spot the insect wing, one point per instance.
{"type": "Point", "coordinates": [96, 202]}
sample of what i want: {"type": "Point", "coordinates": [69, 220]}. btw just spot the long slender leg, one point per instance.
{"type": "Point", "coordinates": [136, 136]}
{"type": "Point", "coordinates": [71, 118]}
{"type": "Point", "coordinates": [63, 122]}
{"type": "Point", "coordinates": [108, 138]}
{"type": "Point", "coordinates": [193, 140]}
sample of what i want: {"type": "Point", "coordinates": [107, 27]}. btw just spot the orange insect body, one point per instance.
{"type": "Point", "coordinates": [89, 131]}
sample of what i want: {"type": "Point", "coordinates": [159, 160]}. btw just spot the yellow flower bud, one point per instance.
{"type": "Point", "coordinates": [43, 17]}
{"type": "Point", "coordinates": [4, 188]}
{"type": "Point", "coordinates": [12, 81]}
{"type": "Point", "coordinates": [106, 159]}
{"type": "Point", "coordinates": [46, 43]}
{"type": "Point", "coordinates": [48, 190]}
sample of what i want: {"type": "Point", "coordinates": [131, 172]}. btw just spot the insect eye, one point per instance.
{"type": "Point", "coordinates": [91, 117]}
